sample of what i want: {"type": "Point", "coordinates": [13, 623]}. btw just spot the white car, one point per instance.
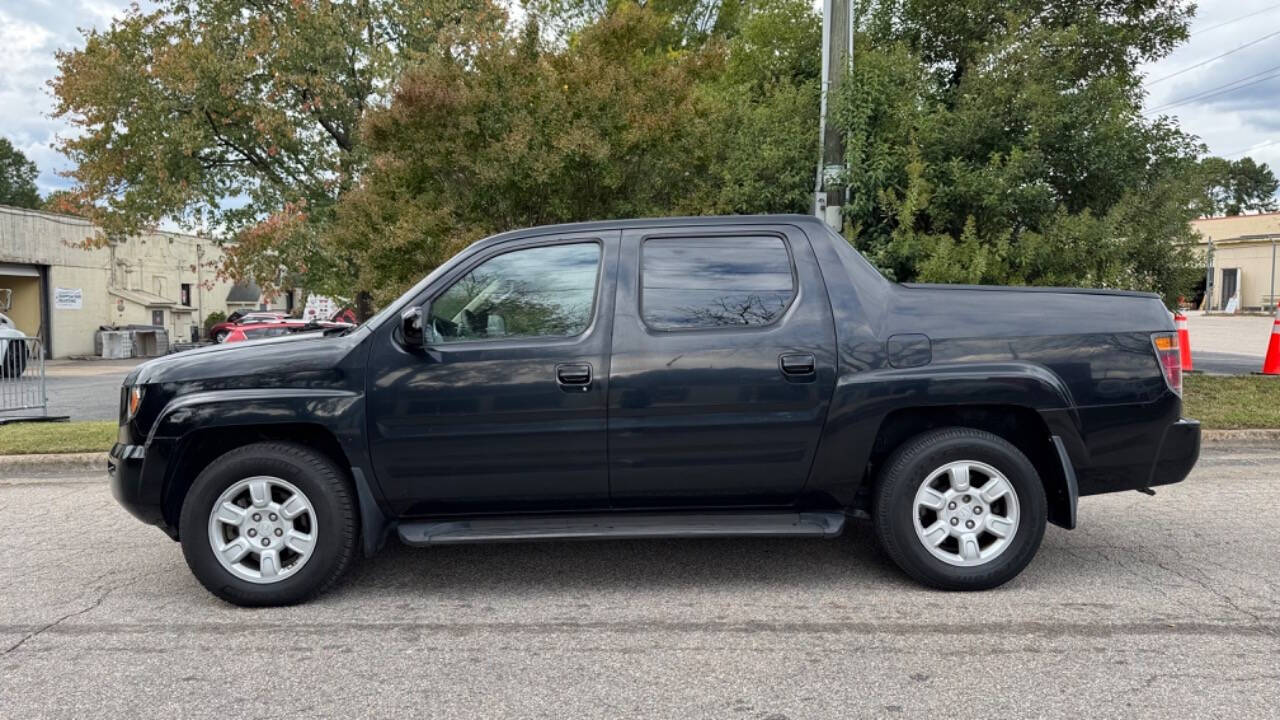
{"type": "Point", "coordinates": [13, 349]}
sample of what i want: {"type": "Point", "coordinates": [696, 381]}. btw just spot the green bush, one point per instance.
{"type": "Point", "coordinates": [214, 318]}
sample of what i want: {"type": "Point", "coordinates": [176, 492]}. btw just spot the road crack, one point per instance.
{"type": "Point", "coordinates": [49, 626]}
{"type": "Point", "coordinates": [102, 596]}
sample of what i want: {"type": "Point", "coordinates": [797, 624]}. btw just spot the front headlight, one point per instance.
{"type": "Point", "coordinates": [133, 400]}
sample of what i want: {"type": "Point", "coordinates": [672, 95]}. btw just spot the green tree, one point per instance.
{"type": "Point", "coordinates": [611, 126]}
{"type": "Point", "coordinates": [626, 119]}
{"type": "Point", "coordinates": [17, 177]}
{"type": "Point", "coordinates": [768, 100]}
{"type": "Point", "coordinates": [243, 115]}
{"type": "Point", "coordinates": [687, 22]}
{"type": "Point", "coordinates": [1004, 142]}
{"type": "Point", "coordinates": [1235, 187]}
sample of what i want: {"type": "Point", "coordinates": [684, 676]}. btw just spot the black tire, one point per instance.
{"type": "Point", "coordinates": [912, 463]}
{"type": "Point", "coordinates": [220, 335]}
{"type": "Point", "coordinates": [323, 483]}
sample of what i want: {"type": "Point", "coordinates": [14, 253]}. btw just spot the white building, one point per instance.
{"type": "Point", "coordinates": [63, 292]}
{"type": "Point", "coordinates": [1245, 268]}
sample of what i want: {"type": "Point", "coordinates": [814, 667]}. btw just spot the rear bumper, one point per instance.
{"type": "Point", "coordinates": [129, 485]}
{"type": "Point", "coordinates": [1179, 451]}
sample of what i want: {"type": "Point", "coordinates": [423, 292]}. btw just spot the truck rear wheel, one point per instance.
{"type": "Point", "coordinates": [960, 509]}
{"type": "Point", "coordinates": [271, 523]}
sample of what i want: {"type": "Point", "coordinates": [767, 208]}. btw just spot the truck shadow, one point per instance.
{"type": "Point", "coordinates": [852, 562]}
{"type": "Point", "coordinates": [602, 566]}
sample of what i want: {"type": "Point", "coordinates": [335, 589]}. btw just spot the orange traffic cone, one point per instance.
{"type": "Point", "coordinates": [1184, 340]}
{"type": "Point", "coordinates": [1271, 365]}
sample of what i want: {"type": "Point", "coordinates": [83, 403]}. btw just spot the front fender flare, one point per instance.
{"type": "Point", "coordinates": [341, 412]}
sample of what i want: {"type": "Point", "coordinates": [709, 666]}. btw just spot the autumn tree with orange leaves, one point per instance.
{"type": "Point", "coordinates": [242, 116]}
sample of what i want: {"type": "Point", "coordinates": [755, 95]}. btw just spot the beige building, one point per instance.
{"type": "Point", "coordinates": [63, 292]}
{"type": "Point", "coordinates": [1244, 260]}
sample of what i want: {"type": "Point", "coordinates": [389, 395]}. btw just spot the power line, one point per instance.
{"type": "Point", "coordinates": [1250, 148]}
{"type": "Point", "coordinates": [1234, 20]}
{"type": "Point", "coordinates": [1202, 63]}
{"type": "Point", "coordinates": [1203, 93]}
{"type": "Point", "coordinates": [1227, 91]}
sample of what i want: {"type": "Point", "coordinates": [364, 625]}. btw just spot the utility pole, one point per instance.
{"type": "Point", "coordinates": [1272, 298]}
{"type": "Point", "coordinates": [837, 60]}
{"type": "Point", "coordinates": [1208, 278]}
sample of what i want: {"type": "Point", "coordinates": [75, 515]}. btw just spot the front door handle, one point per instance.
{"type": "Point", "coordinates": [576, 376]}
{"type": "Point", "coordinates": [797, 364]}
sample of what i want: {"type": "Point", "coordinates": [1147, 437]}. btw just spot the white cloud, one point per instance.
{"type": "Point", "coordinates": [31, 32]}
{"type": "Point", "coordinates": [1232, 103]}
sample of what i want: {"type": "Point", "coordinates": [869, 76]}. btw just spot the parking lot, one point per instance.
{"type": "Point", "coordinates": [1228, 344]}
{"type": "Point", "coordinates": [87, 389]}
{"type": "Point", "coordinates": [1155, 607]}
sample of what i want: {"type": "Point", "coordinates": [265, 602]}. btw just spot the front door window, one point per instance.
{"type": "Point", "coordinates": [536, 292]}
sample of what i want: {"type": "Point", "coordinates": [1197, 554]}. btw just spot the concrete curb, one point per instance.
{"type": "Point", "coordinates": [11, 465]}
{"type": "Point", "coordinates": [97, 462]}
{"type": "Point", "coordinates": [1269, 437]}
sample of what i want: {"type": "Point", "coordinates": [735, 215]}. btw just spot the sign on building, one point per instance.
{"type": "Point", "coordinates": [68, 298]}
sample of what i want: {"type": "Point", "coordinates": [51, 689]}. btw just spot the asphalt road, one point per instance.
{"type": "Point", "coordinates": [1156, 607]}
{"type": "Point", "coordinates": [1219, 363]}
{"type": "Point", "coordinates": [86, 389]}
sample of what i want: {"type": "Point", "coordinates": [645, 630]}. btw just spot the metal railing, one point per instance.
{"type": "Point", "coordinates": [22, 380]}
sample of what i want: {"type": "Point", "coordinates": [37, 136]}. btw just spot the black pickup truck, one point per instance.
{"type": "Point", "coordinates": [685, 377]}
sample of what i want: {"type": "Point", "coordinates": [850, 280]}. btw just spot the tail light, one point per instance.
{"type": "Point", "coordinates": [1166, 345]}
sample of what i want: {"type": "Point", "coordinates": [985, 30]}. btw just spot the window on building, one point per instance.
{"type": "Point", "coordinates": [185, 297]}
{"type": "Point", "coordinates": [715, 282]}
{"type": "Point", "coordinates": [157, 318]}
{"type": "Point", "coordinates": [537, 292]}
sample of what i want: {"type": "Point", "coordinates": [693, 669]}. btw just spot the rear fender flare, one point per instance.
{"type": "Point", "coordinates": [863, 400]}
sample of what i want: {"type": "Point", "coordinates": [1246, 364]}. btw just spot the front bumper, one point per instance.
{"type": "Point", "coordinates": [1179, 451]}
{"type": "Point", "coordinates": [130, 486]}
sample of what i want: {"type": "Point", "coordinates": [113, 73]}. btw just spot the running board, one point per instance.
{"type": "Point", "coordinates": [622, 526]}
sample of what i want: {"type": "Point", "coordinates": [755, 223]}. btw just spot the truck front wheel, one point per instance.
{"type": "Point", "coordinates": [272, 523]}
{"type": "Point", "coordinates": [960, 509]}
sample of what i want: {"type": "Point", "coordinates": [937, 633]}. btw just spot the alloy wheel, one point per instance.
{"type": "Point", "coordinates": [262, 529]}
{"type": "Point", "coordinates": [966, 513]}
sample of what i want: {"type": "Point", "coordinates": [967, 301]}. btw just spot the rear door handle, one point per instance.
{"type": "Point", "coordinates": [575, 376]}
{"type": "Point", "coordinates": [797, 364]}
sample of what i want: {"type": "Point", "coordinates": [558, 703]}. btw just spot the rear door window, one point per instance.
{"type": "Point", "coordinates": [715, 282]}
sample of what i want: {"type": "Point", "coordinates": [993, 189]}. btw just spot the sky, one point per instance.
{"type": "Point", "coordinates": [1232, 102]}
{"type": "Point", "coordinates": [1231, 119]}
{"type": "Point", "coordinates": [30, 32]}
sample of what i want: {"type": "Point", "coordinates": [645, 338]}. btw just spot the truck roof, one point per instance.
{"type": "Point", "coordinates": [624, 224]}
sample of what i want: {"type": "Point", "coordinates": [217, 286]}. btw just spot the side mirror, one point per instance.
{"type": "Point", "coordinates": [413, 326]}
